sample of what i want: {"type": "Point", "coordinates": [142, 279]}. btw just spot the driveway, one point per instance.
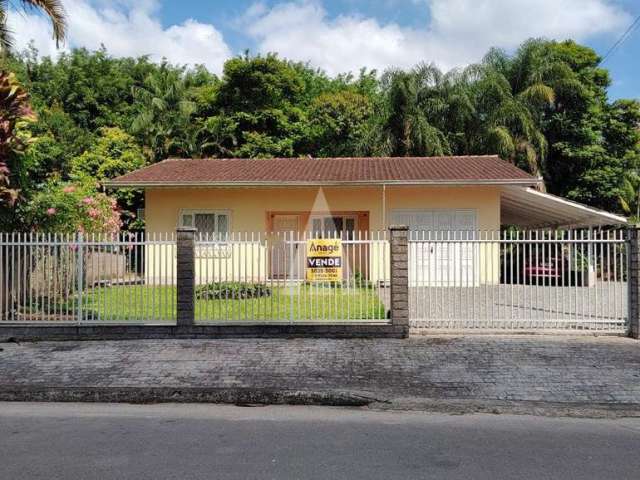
{"type": "Point", "coordinates": [600, 308]}
{"type": "Point", "coordinates": [572, 375]}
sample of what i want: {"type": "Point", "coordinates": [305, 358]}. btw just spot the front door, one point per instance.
{"type": "Point", "coordinates": [284, 254]}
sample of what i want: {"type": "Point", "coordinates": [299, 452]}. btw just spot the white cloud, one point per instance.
{"type": "Point", "coordinates": [126, 28]}
{"type": "Point", "coordinates": [459, 32]}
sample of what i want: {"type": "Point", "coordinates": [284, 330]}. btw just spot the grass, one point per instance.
{"type": "Point", "coordinates": [301, 303]}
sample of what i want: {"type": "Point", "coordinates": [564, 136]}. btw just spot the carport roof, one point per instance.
{"type": "Point", "coordinates": [531, 208]}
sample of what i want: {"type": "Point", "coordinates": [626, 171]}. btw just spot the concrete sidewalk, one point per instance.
{"type": "Point", "coordinates": [517, 374]}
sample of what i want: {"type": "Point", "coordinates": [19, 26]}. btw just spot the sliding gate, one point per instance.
{"type": "Point", "coordinates": [519, 280]}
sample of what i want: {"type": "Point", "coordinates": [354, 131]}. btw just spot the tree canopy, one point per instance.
{"type": "Point", "coordinates": [543, 107]}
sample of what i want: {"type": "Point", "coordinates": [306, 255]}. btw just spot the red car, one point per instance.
{"type": "Point", "coordinates": [547, 272]}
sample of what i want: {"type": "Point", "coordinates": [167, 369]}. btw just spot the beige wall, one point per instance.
{"type": "Point", "coordinates": [250, 210]}
{"type": "Point", "coordinates": [249, 206]}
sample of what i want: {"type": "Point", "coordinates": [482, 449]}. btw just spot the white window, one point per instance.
{"type": "Point", "coordinates": [213, 223]}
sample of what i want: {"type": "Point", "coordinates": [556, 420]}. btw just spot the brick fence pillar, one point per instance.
{"type": "Point", "coordinates": [185, 275]}
{"type": "Point", "coordinates": [399, 275]}
{"type": "Point", "coordinates": [633, 251]}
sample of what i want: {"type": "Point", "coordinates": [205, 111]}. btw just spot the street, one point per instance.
{"type": "Point", "coordinates": [186, 441]}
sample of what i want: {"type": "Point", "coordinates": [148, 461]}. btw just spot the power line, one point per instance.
{"type": "Point", "coordinates": [622, 38]}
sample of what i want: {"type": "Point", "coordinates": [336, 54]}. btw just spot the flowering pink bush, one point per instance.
{"type": "Point", "coordinates": [74, 208]}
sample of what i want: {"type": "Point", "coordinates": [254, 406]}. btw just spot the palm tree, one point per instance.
{"type": "Point", "coordinates": [51, 8]}
{"type": "Point", "coordinates": [629, 196]}
{"type": "Point", "coordinates": [216, 137]}
{"type": "Point", "coordinates": [164, 112]}
{"type": "Point", "coordinates": [510, 97]}
{"type": "Point", "coordinates": [406, 127]}
{"type": "Point", "coordinates": [504, 123]}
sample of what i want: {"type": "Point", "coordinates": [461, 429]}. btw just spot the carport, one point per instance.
{"type": "Point", "coordinates": [559, 270]}
{"type": "Point", "coordinates": [527, 207]}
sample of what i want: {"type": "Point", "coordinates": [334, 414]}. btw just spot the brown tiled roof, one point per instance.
{"type": "Point", "coordinates": [319, 171]}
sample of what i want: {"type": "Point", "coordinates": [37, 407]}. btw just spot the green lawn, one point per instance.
{"type": "Point", "coordinates": [302, 303]}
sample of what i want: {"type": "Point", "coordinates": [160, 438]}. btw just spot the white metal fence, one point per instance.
{"type": "Point", "coordinates": [244, 277]}
{"type": "Point", "coordinates": [260, 277]}
{"type": "Point", "coordinates": [54, 278]}
{"type": "Point", "coordinates": [558, 280]}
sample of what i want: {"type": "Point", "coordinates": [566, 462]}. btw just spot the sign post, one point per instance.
{"type": "Point", "coordinates": [324, 260]}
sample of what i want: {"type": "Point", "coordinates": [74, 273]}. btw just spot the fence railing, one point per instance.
{"type": "Point", "coordinates": [574, 280]}
{"type": "Point", "coordinates": [241, 278]}
{"type": "Point", "coordinates": [260, 277]}
{"type": "Point", "coordinates": [564, 280]}
{"type": "Point", "coordinates": [55, 278]}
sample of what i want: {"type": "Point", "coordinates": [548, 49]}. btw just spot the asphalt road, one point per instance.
{"type": "Point", "coordinates": [98, 441]}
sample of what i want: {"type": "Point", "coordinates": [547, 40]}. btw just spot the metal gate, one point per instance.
{"type": "Point", "coordinates": [260, 278]}
{"type": "Point", "coordinates": [519, 280]}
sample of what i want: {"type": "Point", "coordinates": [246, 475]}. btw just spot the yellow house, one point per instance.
{"type": "Point", "coordinates": [238, 204]}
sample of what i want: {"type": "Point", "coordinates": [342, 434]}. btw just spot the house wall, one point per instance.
{"type": "Point", "coordinates": [251, 210]}
{"type": "Point", "coordinates": [249, 207]}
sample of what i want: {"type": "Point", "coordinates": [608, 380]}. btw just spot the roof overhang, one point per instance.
{"type": "Point", "coordinates": [244, 184]}
{"type": "Point", "coordinates": [528, 207]}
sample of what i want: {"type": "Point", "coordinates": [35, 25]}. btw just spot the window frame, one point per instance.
{"type": "Point", "coordinates": [203, 211]}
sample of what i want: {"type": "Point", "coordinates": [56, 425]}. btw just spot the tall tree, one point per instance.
{"type": "Point", "coordinates": [405, 125]}
{"type": "Point", "coordinates": [509, 93]}
{"type": "Point", "coordinates": [338, 123]}
{"type": "Point", "coordinates": [164, 112]}
{"type": "Point", "coordinates": [93, 88]}
{"type": "Point", "coordinates": [263, 96]}
{"type": "Point", "coordinates": [592, 142]}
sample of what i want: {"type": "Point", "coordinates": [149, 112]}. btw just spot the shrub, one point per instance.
{"type": "Point", "coordinates": [232, 290]}
{"type": "Point", "coordinates": [64, 207]}
{"type": "Point", "coordinates": [359, 280]}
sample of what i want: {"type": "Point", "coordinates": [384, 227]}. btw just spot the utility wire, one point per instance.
{"type": "Point", "coordinates": [623, 37]}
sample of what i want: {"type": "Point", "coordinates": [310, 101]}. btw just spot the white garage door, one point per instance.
{"type": "Point", "coordinates": [448, 259]}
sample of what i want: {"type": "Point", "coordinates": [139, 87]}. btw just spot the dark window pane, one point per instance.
{"type": "Point", "coordinates": [223, 226]}
{"type": "Point", "coordinates": [205, 222]}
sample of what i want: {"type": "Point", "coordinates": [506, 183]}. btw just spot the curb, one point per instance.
{"type": "Point", "coordinates": [334, 398]}
{"type": "Point", "coordinates": [235, 396]}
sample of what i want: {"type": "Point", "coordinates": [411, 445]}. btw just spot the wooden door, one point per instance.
{"type": "Point", "coordinates": [285, 228]}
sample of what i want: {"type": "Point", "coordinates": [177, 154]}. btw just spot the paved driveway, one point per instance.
{"type": "Point", "coordinates": [602, 307]}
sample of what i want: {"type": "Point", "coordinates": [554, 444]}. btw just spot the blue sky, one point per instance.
{"type": "Point", "coordinates": [343, 35]}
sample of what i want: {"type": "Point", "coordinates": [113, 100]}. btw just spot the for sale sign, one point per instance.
{"type": "Point", "coordinates": [324, 260]}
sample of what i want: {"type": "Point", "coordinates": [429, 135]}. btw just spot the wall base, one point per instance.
{"type": "Point", "coordinates": [130, 332]}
